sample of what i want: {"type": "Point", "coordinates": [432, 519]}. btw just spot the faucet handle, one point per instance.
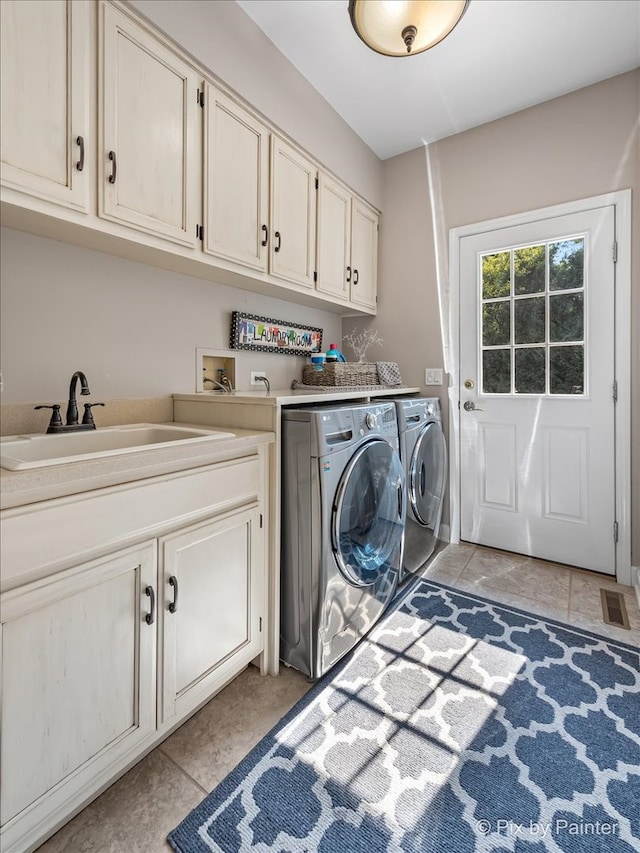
{"type": "Point", "coordinates": [56, 420]}
{"type": "Point", "coordinates": [87, 418]}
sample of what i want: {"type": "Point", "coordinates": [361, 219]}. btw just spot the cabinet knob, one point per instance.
{"type": "Point", "coordinates": [173, 605]}
{"type": "Point", "coordinates": [112, 176]}
{"type": "Point", "coordinates": [348, 275]}
{"type": "Point", "coordinates": [356, 276]}
{"type": "Point", "coordinates": [279, 243]}
{"type": "Point", "coordinates": [80, 144]}
{"type": "Point", "coordinates": [151, 615]}
{"type": "Point", "coordinates": [265, 231]}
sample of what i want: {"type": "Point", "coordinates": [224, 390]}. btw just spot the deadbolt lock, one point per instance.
{"type": "Point", "coordinates": [469, 384]}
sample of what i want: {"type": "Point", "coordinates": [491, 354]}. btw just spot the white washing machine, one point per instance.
{"type": "Point", "coordinates": [343, 515]}
{"type": "Point", "coordinates": [423, 451]}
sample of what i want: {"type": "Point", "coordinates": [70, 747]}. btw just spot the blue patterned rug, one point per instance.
{"type": "Point", "coordinates": [458, 725]}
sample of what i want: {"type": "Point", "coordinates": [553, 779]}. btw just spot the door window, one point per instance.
{"type": "Point", "coordinates": [533, 319]}
{"type": "Point", "coordinates": [368, 515]}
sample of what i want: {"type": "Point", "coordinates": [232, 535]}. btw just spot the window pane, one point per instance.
{"type": "Point", "coordinates": [528, 269]}
{"type": "Point", "coordinates": [496, 371]}
{"type": "Point", "coordinates": [530, 371]}
{"type": "Point", "coordinates": [566, 368]}
{"type": "Point", "coordinates": [496, 275]}
{"type": "Point", "coordinates": [529, 320]}
{"type": "Point", "coordinates": [566, 264]}
{"type": "Point", "coordinates": [566, 317]}
{"type": "Point", "coordinates": [496, 324]}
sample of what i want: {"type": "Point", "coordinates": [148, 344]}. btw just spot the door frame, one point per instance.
{"type": "Point", "coordinates": [621, 201]}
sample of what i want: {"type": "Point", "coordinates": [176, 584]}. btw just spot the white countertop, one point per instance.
{"type": "Point", "coordinates": [18, 488]}
{"type": "Point", "coordinates": [287, 397]}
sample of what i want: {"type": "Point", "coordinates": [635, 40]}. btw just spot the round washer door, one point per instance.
{"type": "Point", "coordinates": [427, 473]}
{"type": "Point", "coordinates": [368, 514]}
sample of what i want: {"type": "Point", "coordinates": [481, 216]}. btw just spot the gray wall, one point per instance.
{"type": "Point", "coordinates": [132, 328]}
{"type": "Point", "coordinates": [579, 145]}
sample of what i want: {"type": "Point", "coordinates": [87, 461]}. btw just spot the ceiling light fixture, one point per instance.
{"type": "Point", "coordinates": [404, 27]}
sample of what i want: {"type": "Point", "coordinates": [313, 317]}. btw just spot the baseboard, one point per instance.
{"type": "Point", "coordinates": [444, 534]}
{"type": "Point", "coordinates": [635, 580]}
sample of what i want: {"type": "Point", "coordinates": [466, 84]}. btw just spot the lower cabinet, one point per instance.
{"type": "Point", "coordinates": [103, 659]}
{"type": "Point", "coordinates": [78, 680]}
{"type": "Point", "coordinates": [211, 621]}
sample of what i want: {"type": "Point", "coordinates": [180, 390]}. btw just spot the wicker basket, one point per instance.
{"type": "Point", "coordinates": [340, 374]}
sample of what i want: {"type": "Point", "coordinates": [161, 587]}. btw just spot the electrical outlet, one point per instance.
{"type": "Point", "coordinates": [433, 376]}
{"type": "Point", "coordinates": [254, 377]}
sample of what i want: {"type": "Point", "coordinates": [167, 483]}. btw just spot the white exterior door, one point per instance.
{"type": "Point", "coordinates": [537, 410]}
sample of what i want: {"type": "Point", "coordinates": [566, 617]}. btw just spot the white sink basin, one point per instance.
{"type": "Point", "coordinates": [37, 451]}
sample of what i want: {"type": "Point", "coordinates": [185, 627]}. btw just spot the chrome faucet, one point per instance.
{"type": "Point", "coordinates": [72, 425]}
{"type": "Point", "coordinates": [225, 387]}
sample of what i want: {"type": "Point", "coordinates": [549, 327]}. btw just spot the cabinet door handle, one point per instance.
{"type": "Point", "coordinates": [279, 239]}
{"type": "Point", "coordinates": [80, 163]}
{"type": "Point", "coordinates": [356, 276]}
{"type": "Point", "coordinates": [348, 275]}
{"type": "Point", "coordinates": [173, 605]}
{"type": "Point", "coordinates": [151, 615]}
{"type": "Point", "coordinates": [112, 176]}
{"type": "Point", "coordinates": [265, 231]}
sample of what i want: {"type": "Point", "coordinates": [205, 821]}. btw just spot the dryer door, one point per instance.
{"type": "Point", "coordinates": [427, 473]}
{"type": "Point", "coordinates": [369, 514]}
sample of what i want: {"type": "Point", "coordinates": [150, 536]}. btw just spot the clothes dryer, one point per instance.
{"type": "Point", "coordinates": [343, 515]}
{"type": "Point", "coordinates": [423, 452]}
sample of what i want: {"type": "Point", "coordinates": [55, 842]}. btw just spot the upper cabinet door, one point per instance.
{"type": "Point", "coordinates": [147, 157]}
{"type": "Point", "coordinates": [364, 254]}
{"type": "Point", "coordinates": [43, 101]}
{"type": "Point", "coordinates": [236, 163]}
{"type": "Point", "coordinates": [293, 215]}
{"type": "Point", "coordinates": [333, 249]}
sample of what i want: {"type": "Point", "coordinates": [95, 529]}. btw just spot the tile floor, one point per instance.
{"type": "Point", "coordinates": [135, 814]}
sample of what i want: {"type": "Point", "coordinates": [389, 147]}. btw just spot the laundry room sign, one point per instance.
{"type": "Point", "coordinates": [249, 331]}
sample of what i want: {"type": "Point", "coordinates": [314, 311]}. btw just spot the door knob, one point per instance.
{"type": "Point", "coordinates": [470, 406]}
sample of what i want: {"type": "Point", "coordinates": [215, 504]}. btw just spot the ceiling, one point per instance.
{"type": "Point", "coordinates": [504, 56]}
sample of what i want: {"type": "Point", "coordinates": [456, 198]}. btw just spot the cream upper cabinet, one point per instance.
{"type": "Point", "coordinates": [334, 239]}
{"type": "Point", "coordinates": [78, 679]}
{"type": "Point", "coordinates": [44, 99]}
{"type": "Point", "coordinates": [102, 127]}
{"type": "Point", "coordinates": [148, 150]}
{"type": "Point", "coordinates": [293, 215]}
{"type": "Point", "coordinates": [236, 183]}
{"type": "Point", "coordinates": [347, 249]}
{"type": "Point", "coordinates": [364, 254]}
{"type": "Point", "coordinates": [211, 618]}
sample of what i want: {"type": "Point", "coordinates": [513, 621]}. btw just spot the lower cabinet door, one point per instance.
{"type": "Point", "coordinates": [211, 611]}
{"type": "Point", "coordinates": [78, 686]}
